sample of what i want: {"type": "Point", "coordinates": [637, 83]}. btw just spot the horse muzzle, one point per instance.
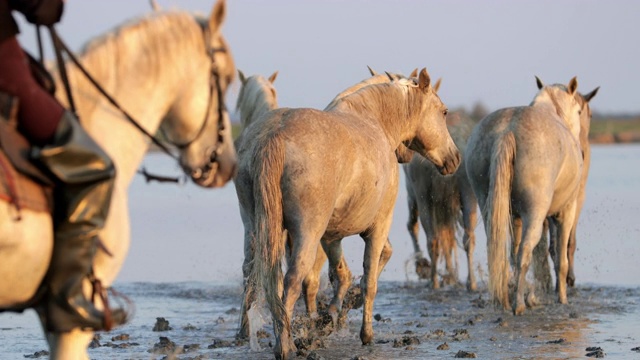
{"type": "Point", "coordinates": [450, 164]}
{"type": "Point", "coordinates": [219, 169]}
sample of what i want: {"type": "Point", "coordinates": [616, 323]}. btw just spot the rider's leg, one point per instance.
{"type": "Point", "coordinates": [84, 175]}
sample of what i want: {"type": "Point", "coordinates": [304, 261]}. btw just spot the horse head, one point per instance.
{"type": "Point", "coordinates": [257, 96]}
{"type": "Point", "coordinates": [431, 137]}
{"type": "Point", "coordinates": [198, 120]}
{"type": "Point", "coordinates": [563, 99]}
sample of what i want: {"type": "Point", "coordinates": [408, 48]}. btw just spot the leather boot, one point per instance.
{"type": "Point", "coordinates": [84, 177]}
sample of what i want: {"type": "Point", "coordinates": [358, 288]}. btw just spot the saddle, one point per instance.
{"type": "Point", "coordinates": [21, 182]}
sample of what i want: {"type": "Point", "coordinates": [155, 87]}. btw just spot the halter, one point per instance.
{"type": "Point", "coordinates": [214, 83]}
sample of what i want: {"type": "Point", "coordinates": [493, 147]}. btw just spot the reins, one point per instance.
{"type": "Point", "coordinates": [214, 84]}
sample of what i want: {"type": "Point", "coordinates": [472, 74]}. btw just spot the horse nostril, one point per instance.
{"type": "Point", "coordinates": [196, 173]}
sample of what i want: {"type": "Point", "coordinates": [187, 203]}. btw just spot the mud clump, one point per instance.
{"type": "Point", "coordinates": [121, 337]}
{"type": "Point", "coordinates": [595, 352]}
{"type": "Point", "coordinates": [37, 354]}
{"type": "Point", "coordinates": [219, 343]}
{"type": "Point", "coordinates": [461, 354]}
{"type": "Point", "coordinates": [164, 346]}
{"type": "Point", "coordinates": [562, 341]}
{"type": "Point", "coordinates": [161, 325]}
{"type": "Point", "coordinates": [406, 341]}
{"type": "Point", "coordinates": [444, 346]}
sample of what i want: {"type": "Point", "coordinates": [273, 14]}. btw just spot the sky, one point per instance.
{"type": "Point", "coordinates": [485, 51]}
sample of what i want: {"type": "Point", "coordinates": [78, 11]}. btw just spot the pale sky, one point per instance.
{"type": "Point", "coordinates": [487, 51]}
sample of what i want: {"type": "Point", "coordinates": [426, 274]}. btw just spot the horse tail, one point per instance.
{"type": "Point", "coordinates": [498, 212]}
{"type": "Point", "coordinates": [269, 242]}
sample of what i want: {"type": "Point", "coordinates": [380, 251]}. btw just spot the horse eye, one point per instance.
{"type": "Point", "coordinates": [445, 112]}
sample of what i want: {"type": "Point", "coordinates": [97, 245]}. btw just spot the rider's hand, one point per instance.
{"type": "Point", "coordinates": [40, 12]}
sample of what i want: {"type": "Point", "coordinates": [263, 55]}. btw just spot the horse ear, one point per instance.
{"type": "Point", "coordinates": [155, 6]}
{"type": "Point", "coordinates": [371, 71]}
{"type": "Point", "coordinates": [539, 83]}
{"type": "Point", "coordinates": [424, 80]}
{"type": "Point", "coordinates": [391, 78]}
{"type": "Point", "coordinates": [218, 13]}
{"type": "Point", "coordinates": [273, 77]}
{"type": "Point", "coordinates": [414, 73]}
{"type": "Point", "coordinates": [243, 78]}
{"type": "Point", "coordinates": [436, 87]}
{"type": "Point", "coordinates": [573, 85]}
{"type": "Point", "coordinates": [590, 95]}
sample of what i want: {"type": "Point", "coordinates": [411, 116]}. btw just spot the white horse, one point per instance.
{"type": "Point", "coordinates": [525, 164]}
{"type": "Point", "coordinates": [160, 69]}
{"type": "Point", "coordinates": [325, 175]}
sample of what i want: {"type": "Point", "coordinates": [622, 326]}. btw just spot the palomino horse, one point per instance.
{"type": "Point", "coordinates": [325, 175]}
{"type": "Point", "coordinates": [256, 98]}
{"type": "Point", "coordinates": [441, 203]}
{"type": "Point", "coordinates": [160, 69]}
{"type": "Point", "coordinates": [525, 164]}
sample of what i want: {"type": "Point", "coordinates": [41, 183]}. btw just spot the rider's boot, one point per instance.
{"type": "Point", "coordinates": [84, 177]}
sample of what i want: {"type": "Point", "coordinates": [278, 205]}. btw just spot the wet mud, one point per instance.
{"type": "Point", "coordinates": [412, 321]}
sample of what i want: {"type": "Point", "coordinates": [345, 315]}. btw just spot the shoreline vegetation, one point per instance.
{"type": "Point", "coordinates": [605, 129]}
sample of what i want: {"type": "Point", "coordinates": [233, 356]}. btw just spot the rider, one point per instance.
{"type": "Point", "coordinates": [83, 172]}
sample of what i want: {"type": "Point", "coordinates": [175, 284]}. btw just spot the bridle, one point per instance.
{"type": "Point", "coordinates": [214, 85]}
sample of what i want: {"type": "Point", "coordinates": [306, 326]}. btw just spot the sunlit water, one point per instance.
{"type": "Point", "coordinates": [185, 260]}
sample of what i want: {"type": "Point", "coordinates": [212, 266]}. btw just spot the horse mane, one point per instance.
{"type": "Point", "coordinates": [152, 45]}
{"type": "Point", "coordinates": [548, 96]}
{"type": "Point", "coordinates": [384, 103]}
{"type": "Point", "coordinates": [375, 79]}
{"type": "Point", "coordinates": [257, 96]}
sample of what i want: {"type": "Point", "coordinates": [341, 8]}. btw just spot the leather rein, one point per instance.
{"type": "Point", "coordinates": [214, 86]}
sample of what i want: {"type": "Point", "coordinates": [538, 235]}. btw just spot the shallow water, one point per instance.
{"type": "Point", "coordinates": [186, 254]}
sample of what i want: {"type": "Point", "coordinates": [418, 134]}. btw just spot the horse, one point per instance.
{"type": "Point", "coordinates": [524, 165]}
{"type": "Point", "coordinates": [162, 69]}
{"type": "Point", "coordinates": [441, 203]}
{"type": "Point", "coordinates": [325, 175]}
{"type": "Point", "coordinates": [541, 265]}
{"type": "Point", "coordinates": [257, 97]}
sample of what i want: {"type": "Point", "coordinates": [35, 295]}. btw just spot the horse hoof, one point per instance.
{"type": "Point", "coordinates": [571, 280]}
{"type": "Point", "coordinates": [366, 337]}
{"type": "Point", "coordinates": [532, 301]}
{"type": "Point", "coordinates": [519, 309]}
{"type": "Point", "coordinates": [472, 287]}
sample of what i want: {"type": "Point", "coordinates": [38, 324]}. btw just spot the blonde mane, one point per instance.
{"type": "Point", "coordinates": [146, 50]}
{"type": "Point", "coordinates": [375, 79]}
{"type": "Point", "coordinates": [257, 96]}
{"type": "Point", "coordinates": [563, 103]}
{"type": "Point", "coordinates": [383, 102]}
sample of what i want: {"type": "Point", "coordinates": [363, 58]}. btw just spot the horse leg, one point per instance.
{"type": "Point", "coordinates": [433, 245]}
{"type": "Point", "coordinates": [302, 248]}
{"type": "Point", "coordinates": [249, 294]}
{"type": "Point", "coordinates": [311, 284]}
{"type": "Point", "coordinates": [571, 250]}
{"type": "Point", "coordinates": [532, 230]}
{"type": "Point", "coordinates": [387, 250]}
{"type": "Point", "coordinates": [421, 263]}
{"type": "Point", "coordinates": [515, 242]}
{"type": "Point", "coordinates": [374, 244]}
{"type": "Point", "coordinates": [449, 251]}
{"type": "Point", "coordinates": [70, 345]}
{"type": "Point", "coordinates": [340, 276]}
{"type": "Point", "coordinates": [541, 269]}
{"type": "Point", "coordinates": [469, 221]}
{"type": "Point", "coordinates": [565, 223]}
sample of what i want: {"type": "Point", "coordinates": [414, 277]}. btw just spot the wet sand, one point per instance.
{"type": "Point", "coordinates": [199, 322]}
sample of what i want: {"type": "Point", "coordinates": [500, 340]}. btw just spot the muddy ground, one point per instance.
{"type": "Point", "coordinates": [412, 322]}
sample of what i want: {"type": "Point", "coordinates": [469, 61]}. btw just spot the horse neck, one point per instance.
{"type": "Point", "coordinates": [142, 78]}
{"type": "Point", "coordinates": [547, 100]}
{"type": "Point", "coordinates": [382, 105]}
{"type": "Point", "coordinates": [255, 103]}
